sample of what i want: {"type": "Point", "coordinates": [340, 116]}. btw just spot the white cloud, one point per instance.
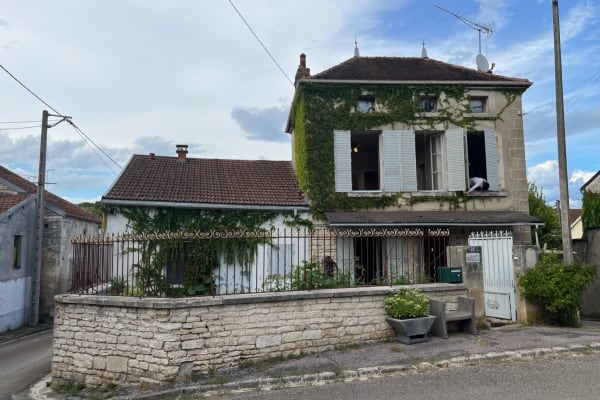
{"type": "Point", "coordinates": [579, 176]}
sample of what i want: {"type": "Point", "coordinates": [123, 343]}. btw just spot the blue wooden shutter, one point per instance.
{"type": "Point", "coordinates": [342, 160]}
{"type": "Point", "coordinates": [491, 160]}
{"type": "Point", "coordinates": [455, 156]}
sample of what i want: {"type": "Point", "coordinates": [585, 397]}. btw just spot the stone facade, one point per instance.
{"type": "Point", "coordinates": [131, 342]}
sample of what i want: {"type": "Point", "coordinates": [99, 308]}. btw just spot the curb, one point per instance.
{"type": "Point", "coordinates": [371, 372]}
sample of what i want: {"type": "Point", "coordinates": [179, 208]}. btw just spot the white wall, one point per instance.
{"type": "Point", "coordinates": [15, 303]}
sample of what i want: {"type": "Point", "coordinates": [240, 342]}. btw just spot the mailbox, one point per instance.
{"type": "Point", "coordinates": [450, 274]}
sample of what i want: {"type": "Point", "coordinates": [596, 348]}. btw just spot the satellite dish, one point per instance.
{"type": "Point", "coordinates": [482, 63]}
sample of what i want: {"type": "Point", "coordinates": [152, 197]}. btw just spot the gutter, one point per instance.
{"type": "Point", "coordinates": [203, 205]}
{"type": "Point", "coordinates": [490, 84]}
{"type": "Point", "coordinates": [433, 224]}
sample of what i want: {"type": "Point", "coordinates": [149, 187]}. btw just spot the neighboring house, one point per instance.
{"type": "Point", "coordinates": [592, 185]}
{"type": "Point", "coordinates": [62, 220]}
{"type": "Point", "coordinates": [575, 223]}
{"type": "Point", "coordinates": [389, 143]}
{"type": "Point", "coordinates": [210, 190]}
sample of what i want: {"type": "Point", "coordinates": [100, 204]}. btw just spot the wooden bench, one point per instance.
{"type": "Point", "coordinates": [465, 315]}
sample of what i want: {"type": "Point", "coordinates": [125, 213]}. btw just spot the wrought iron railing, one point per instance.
{"type": "Point", "coordinates": [219, 262]}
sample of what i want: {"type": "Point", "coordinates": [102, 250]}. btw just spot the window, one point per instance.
{"type": "Point", "coordinates": [365, 104]}
{"type": "Point", "coordinates": [428, 104]}
{"type": "Point", "coordinates": [364, 149]}
{"type": "Point", "coordinates": [17, 243]}
{"type": "Point", "coordinates": [430, 161]}
{"type": "Point", "coordinates": [481, 158]}
{"type": "Point", "coordinates": [281, 260]}
{"type": "Point", "coordinates": [408, 161]}
{"type": "Point", "coordinates": [477, 105]}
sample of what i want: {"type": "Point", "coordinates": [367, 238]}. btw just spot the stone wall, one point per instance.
{"type": "Point", "coordinates": [131, 341]}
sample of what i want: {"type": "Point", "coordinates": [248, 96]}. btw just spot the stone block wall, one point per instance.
{"type": "Point", "coordinates": [130, 341]}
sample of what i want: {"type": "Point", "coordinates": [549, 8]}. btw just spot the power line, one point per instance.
{"type": "Point", "coordinates": [88, 140]}
{"type": "Point", "coordinates": [30, 91]}
{"type": "Point", "coordinates": [261, 43]}
{"type": "Point", "coordinates": [20, 127]}
{"type": "Point", "coordinates": [19, 122]}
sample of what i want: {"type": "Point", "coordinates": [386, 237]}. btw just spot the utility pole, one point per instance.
{"type": "Point", "coordinates": [39, 226]}
{"type": "Point", "coordinates": [562, 148]}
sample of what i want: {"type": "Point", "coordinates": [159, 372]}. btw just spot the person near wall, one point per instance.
{"type": "Point", "coordinates": [477, 183]}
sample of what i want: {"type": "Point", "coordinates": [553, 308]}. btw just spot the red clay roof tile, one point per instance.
{"type": "Point", "coordinates": [208, 181]}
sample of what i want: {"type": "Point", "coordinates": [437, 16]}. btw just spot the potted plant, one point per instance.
{"type": "Point", "coordinates": [408, 315]}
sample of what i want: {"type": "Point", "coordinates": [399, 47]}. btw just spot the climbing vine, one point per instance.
{"type": "Point", "coordinates": [319, 109]}
{"type": "Point", "coordinates": [192, 262]}
{"type": "Point", "coordinates": [590, 212]}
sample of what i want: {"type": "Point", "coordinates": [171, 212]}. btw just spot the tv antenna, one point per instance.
{"type": "Point", "coordinates": [482, 63]}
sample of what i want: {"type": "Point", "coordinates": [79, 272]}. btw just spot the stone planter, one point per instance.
{"type": "Point", "coordinates": [413, 330]}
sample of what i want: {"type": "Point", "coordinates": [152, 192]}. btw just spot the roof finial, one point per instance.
{"type": "Point", "coordinates": [356, 53]}
{"type": "Point", "coordinates": [423, 50]}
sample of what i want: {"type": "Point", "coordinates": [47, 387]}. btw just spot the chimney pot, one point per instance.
{"type": "Point", "coordinates": [302, 72]}
{"type": "Point", "coordinates": [181, 151]}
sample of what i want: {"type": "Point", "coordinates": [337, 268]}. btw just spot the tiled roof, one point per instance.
{"type": "Point", "coordinates": [574, 213]}
{"type": "Point", "coordinates": [207, 181]}
{"type": "Point", "coordinates": [408, 69]}
{"type": "Point", "coordinates": [65, 206]}
{"type": "Point", "coordinates": [430, 218]}
{"type": "Point", "coordinates": [8, 201]}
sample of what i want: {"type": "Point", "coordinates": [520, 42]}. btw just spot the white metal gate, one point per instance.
{"type": "Point", "coordinates": [498, 273]}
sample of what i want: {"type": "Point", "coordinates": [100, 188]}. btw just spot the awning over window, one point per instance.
{"type": "Point", "coordinates": [430, 218]}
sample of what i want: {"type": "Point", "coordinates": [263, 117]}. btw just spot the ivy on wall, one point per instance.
{"type": "Point", "coordinates": [194, 260]}
{"type": "Point", "coordinates": [320, 108]}
{"type": "Point", "coordinates": [590, 210]}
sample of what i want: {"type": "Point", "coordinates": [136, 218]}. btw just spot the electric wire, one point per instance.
{"type": "Point", "coordinates": [261, 43]}
{"type": "Point", "coordinates": [30, 91]}
{"type": "Point", "coordinates": [14, 128]}
{"type": "Point", "coordinates": [87, 139]}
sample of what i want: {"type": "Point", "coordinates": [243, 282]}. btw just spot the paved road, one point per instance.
{"type": "Point", "coordinates": [549, 379]}
{"type": "Point", "coordinates": [24, 362]}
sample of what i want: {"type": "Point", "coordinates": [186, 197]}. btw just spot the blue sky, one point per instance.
{"type": "Point", "coordinates": [141, 76]}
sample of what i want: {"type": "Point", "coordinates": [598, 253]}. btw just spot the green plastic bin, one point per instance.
{"type": "Point", "coordinates": [450, 274]}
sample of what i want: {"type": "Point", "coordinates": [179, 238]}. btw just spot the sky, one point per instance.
{"type": "Point", "coordinates": [140, 76]}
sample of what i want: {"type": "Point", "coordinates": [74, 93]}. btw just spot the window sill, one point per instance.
{"type": "Point", "coordinates": [424, 193]}
{"type": "Point", "coordinates": [481, 114]}
{"type": "Point", "coordinates": [366, 193]}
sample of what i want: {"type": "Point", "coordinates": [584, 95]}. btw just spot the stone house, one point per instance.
{"type": "Point", "coordinates": [587, 248]}
{"type": "Point", "coordinates": [389, 144]}
{"type": "Point", "coordinates": [62, 220]}
{"type": "Point", "coordinates": [207, 194]}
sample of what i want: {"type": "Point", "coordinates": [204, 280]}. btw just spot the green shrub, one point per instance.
{"type": "Point", "coordinates": [406, 303]}
{"type": "Point", "coordinates": [311, 275]}
{"type": "Point", "coordinates": [557, 288]}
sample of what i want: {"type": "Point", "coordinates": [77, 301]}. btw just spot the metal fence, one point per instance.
{"type": "Point", "coordinates": [219, 262]}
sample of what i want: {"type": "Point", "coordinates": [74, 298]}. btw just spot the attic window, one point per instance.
{"type": "Point", "coordinates": [477, 104]}
{"type": "Point", "coordinates": [428, 104]}
{"type": "Point", "coordinates": [365, 104]}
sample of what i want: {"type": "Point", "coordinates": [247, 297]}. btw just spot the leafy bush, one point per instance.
{"type": "Point", "coordinates": [311, 275]}
{"type": "Point", "coordinates": [406, 303]}
{"type": "Point", "coordinates": [557, 288]}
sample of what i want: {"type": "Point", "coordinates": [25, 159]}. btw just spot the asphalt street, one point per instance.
{"type": "Point", "coordinates": [570, 377]}
{"type": "Point", "coordinates": [23, 362]}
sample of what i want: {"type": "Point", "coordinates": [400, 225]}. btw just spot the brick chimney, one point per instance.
{"type": "Point", "coordinates": [181, 152]}
{"type": "Point", "coordinates": [302, 72]}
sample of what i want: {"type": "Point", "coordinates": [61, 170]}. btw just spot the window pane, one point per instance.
{"type": "Point", "coordinates": [476, 105]}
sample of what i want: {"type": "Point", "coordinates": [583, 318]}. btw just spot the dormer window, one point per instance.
{"type": "Point", "coordinates": [365, 104]}
{"type": "Point", "coordinates": [477, 105]}
{"type": "Point", "coordinates": [428, 104]}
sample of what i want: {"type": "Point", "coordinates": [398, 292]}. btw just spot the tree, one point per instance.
{"type": "Point", "coordinates": [550, 233]}
{"type": "Point", "coordinates": [95, 208]}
